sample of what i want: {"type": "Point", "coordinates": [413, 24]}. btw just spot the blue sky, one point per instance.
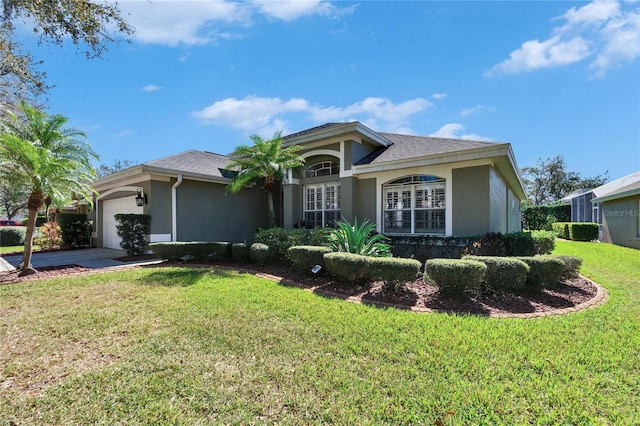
{"type": "Point", "coordinates": [551, 78]}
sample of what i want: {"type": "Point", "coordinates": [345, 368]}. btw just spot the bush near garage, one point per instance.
{"type": "Point", "coordinates": [75, 229]}
{"type": "Point", "coordinates": [192, 250]}
{"type": "Point", "coordinates": [133, 230]}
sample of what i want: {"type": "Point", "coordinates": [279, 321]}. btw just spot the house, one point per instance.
{"type": "Point", "coordinates": [619, 205]}
{"type": "Point", "coordinates": [582, 210]}
{"type": "Point", "coordinates": [407, 185]}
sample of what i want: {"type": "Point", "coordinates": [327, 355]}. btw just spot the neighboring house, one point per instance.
{"type": "Point", "coordinates": [619, 203]}
{"type": "Point", "coordinates": [582, 210]}
{"type": "Point", "coordinates": [407, 185]}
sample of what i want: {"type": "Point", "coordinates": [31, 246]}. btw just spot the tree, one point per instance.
{"type": "Point", "coordinates": [13, 196]}
{"type": "Point", "coordinates": [265, 160]}
{"type": "Point", "coordinates": [89, 23]}
{"type": "Point", "coordinates": [37, 151]}
{"type": "Point", "coordinates": [549, 181]}
{"type": "Point", "coordinates": [104, 169]}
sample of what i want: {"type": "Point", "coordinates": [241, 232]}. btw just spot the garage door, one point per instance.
{"type": "Point", "coordinates": [110, 208]}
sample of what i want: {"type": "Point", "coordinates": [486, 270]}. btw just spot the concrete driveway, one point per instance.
{"type": "Point", "coordinates": [94, 258]}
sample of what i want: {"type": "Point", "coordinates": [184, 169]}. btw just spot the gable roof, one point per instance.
{"type": "Point", "coordinates": [190, 162]}
{"type": "Point", "coordinates": [409, 146]}
{"type": "Point", "coordinates": [578, 192]}
{"type": "Point", "coordinates": [626, 186]}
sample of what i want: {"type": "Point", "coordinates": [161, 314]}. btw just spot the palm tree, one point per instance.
{"type": "Point", "coordinates": [50, 160]}
{"type": "Point", "coordinates": [267, 160]}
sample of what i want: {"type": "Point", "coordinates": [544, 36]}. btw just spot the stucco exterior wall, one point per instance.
{"type": "Point", "coordinates": [159, 207]}
{"type": "Point", "coordinates": [365, 200]}
{"type": "Point", "coordinates": [514, 219]}
{"type": "Point", "coordinates": [498, 202]}
{"type": "Point", "coordinates": [621, 221]}
{"type": "Point", "coordinates": [470, 204]}
{"type": "Point", "coordinates": [207, 212]}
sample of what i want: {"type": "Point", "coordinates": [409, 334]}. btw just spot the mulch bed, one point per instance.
{"type": "Point", "coordinates": [419, 295]}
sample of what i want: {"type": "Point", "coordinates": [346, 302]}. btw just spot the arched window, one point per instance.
{"type": "Point", "coordinates": [323, 168]}
{"type": "Point", "coordinates": [414, 205]}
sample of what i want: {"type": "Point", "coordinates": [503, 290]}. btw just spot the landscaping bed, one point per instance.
{"type": "Point", "coordinates": [418, 296]}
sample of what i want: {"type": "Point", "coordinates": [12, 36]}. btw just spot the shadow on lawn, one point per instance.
{"type": "Point", "coordinates": [172, 276]}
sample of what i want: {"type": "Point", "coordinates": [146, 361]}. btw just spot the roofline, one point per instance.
{"type": "Point", "coordinates": [624, 194]}
{"type": "Point", "coordinates": [497, 150]}
{"type": "Point", "coordinates": [162, 171]}
{"type": "Point", "coordinates": [353, 126]}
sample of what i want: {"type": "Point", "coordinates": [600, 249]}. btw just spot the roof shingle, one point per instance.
{"type": "Point", "coordinates": [192, 161]}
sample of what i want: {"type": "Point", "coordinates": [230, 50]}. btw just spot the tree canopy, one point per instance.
{"type": "Point", "coordinates": [37, 152]}
{"type": "Point", "coordinates": [549, 180]}
{"type": "Point", "coordinates": [266, 160]}
{"type": "Point", "coordinates": [90, 25]}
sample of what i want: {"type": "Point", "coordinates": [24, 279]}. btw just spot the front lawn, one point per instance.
{"type": "Point", "coordinates": [196, 346]}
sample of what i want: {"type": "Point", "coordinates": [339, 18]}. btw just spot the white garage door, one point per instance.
{"type": "Point", "coordinates": [110, 208]}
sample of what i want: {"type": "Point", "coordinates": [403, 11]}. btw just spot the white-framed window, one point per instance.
{"type": "Point", "coordinates": [321, 204]}
{"type": "Point", "coordinates": [414, 205]}
{"type": "Point", "coordinates": [323, 168]}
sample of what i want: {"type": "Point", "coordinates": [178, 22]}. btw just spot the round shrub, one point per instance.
{"type": "Point", "coordinates": [545, 241]}
{"type": "Point", "coordinates": [456, 275]}
{"type": "Point", "coordinates": [260, 253]}
{"type": "Point", "coordinates": [240, 252]}
{"type": "Point", "coordinates": [571, 266]}
{"type": "Point", "coordinates": [393, 271]}
{"type": "Point", "coordinates": [10, 236]}
{"type": "Point", "coordinates": [503, 273]}
{"type": "Point", "coordinates": [543, 270]}
{"type": "Point", "coordinates": [306, 257]}
{"type": "Point", "coordinates": [348, 267]}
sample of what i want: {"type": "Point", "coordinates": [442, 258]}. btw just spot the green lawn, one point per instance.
{"type": "Point", "coordinates": [181, 346]}
{"type": "Point", "coordinates": [16, 249]}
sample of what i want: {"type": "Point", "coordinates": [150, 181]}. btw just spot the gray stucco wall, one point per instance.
{"type": "Point", "coordinates": [207, 212]}
{"type": "Point", "coordinates": [365, 200]}
{"type": "Point", "coordinates": [514, 220]}
{"type": "Point", "coordinates": [498, 202]}
{"type": "Point", "coordinates": [470, 200]}
{"type": "Point", "coordinates": [159, 206]}
{"type": "Point", "coordinates": [620, 221]}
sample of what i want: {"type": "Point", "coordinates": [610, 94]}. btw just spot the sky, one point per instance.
{"type": "Point", "coordinates": [551, 78]}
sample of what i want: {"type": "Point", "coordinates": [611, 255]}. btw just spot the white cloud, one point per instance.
{"type": "Point", "coordinates": [289, 10]}
{"type": "Point", "coordinates": [174, 22]}
{"type": "Point", "coordinates": [151, 88]}
{"type": "Point", "coordinates": [266, 115]}
{"type": "Point", "coordinates": [123, 133]}
{"type": "Point", "coordinates": [199, 22]}
{"type": "Point", "coordinates": [451, 130]}
{"type": "Point", "coordinates": [439, 95]}
{"type": "Point", "coordinates": [607, 31]}
{"type": "Point", "coordinates": [476, 109]}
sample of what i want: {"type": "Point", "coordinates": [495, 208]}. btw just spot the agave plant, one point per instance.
{"type": "Point", "coordinates": [358, 239]}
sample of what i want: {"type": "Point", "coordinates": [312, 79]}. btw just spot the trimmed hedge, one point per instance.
{"type": "Point", "coordinates": [75, 229]}
{"type": "Point", "coordinates": [355, 268]}
{"type": "Point", "coordinates": [197, 250]}
{"type": "Point", "coordinates": [572, 266]}
{"type": "Point", "coordinates": [12, 236]}
{"type": "Point", "coordinates": [306, 257]}
{"type": "Point", "coordinates": [503, 273]}
{"type": "Point", "coordinates": [577, 231]}
{"type": "Point", "coordinates": [543, 270]}
{"type": "Point", "coordinates": [545, 241]}
{"type": "Point", "coordinates": [456, 275]}
{"type": "Point", "coordinates": [240, 252]}
{"type": "Point", "coordinates": [280, 239]}
{"type": "Point", "coordinates": [539, 217]}
{"type": "Point", "coordinates": [519, 244]}
{"type": "Point", "coordinates": [260, 253]}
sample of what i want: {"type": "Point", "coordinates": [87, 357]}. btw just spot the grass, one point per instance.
{"type": "Point", "coordinates": [196, 346]}
{"type": "Point", "coordinates": [16, 249]}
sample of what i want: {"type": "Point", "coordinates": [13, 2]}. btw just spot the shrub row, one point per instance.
{"type": "Point", "coordinates": [470, 274]}
{"type": "Point", "coordinates": [355, 268]}
{"type": "Point", "coordinates": [306, 257]}
{"type": "Point", "coordinates": [218, 251]}
{"type": "Point", "coordinates": [577, 231]}
{"type": "Point", "coordinates": [542, 217]}
{"type": "Point", "coordinates": [489, 244]}
{"type": "Point", "coordinates": [280, 240]}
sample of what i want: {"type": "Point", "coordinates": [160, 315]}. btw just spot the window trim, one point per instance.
{"type": "Point", "coordinates": [414, 183]}
{"type": "Point", "coordinates": [324, 210]}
